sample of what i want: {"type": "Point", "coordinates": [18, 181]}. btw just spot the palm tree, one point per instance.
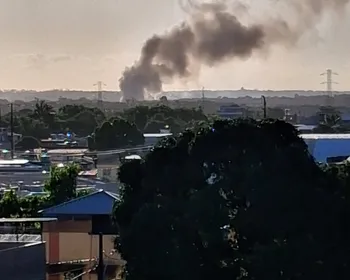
{"type": "Point", "coordinates": [42, 111]}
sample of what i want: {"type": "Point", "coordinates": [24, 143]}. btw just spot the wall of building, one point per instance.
{"type": "Point", "coordinates": [24, 261]}
{"type": "Point", "coordinates": [108, 173]}
{"type": "Point", "coordinates": [75, 246]}
{"type": "Point", "coordinates": [70, 240]}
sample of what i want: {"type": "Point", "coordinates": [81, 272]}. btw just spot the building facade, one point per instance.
{"type": "Point", "coordinates": [22, 260]}
{"type": "Point", "coordinates": [72, 243]}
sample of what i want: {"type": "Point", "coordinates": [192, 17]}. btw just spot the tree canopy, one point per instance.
{"type": "Point", "coordinates": [43, 120]}
{"type": "Point", "coordinates": [157, 117]}
{"type": "Point", "coordinates": [233, 200]}
{"type": "Point", "coordinates": [116, 134]}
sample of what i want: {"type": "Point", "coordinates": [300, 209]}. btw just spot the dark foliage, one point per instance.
{"type": "Point", "coordinates": [233, 200]}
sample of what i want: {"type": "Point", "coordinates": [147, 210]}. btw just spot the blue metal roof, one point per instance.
{"type": "Point", "coordinates": [97, 203]}
{"type": "Point", "coordinates": [327, 145]}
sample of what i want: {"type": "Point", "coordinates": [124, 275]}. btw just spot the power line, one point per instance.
{"type": "Point", "coordinates": [329, 83]}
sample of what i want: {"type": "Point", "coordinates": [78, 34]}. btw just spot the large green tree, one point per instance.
{"type": "Point", "coordinates": [43, 112]}
{"type": "Point", "coordinates": [62, 184]}
{"type": "Point", "coordinates": [157, 117]}
{"type": "Point", "coordinates": [116, 134]}
{"type": "Point", "coordinates": [80, 119]}
{"type": "Point", "coordinates": [231, 200]}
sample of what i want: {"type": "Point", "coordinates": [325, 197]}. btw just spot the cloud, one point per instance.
{"type": "Point", "coordinates": [61, 58]}
{"type": "Point", "coordinates": [41, 58]}
{"type": "Point", "coordinates": [40, 61]}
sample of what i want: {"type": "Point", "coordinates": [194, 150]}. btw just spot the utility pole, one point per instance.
{"type": "Point", "coordinates": [12, 138]}
{"type": "Point", "coordinates": [264, 106]}
{"type": "Point", "coordinates": [100, 274]}
{"type": "Point", "coordinates": [203, 98]}
{"type": "Point", "coordinates": [99, 86]}
{"type": "Point", "coordinates": [329, 82]}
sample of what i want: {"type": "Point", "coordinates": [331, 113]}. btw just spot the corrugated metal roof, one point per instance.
{"type": "Point", "coordinates": [97, 203]}
{"type": "Point", "coordinates": [26, 220]}
{"type": "Point", "coordinates": [27, 238]}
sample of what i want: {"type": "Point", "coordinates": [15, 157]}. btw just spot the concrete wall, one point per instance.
{"type": "Point", "coordinates": [22, 261]}
{"type": "Point", "coordinates": [70, 241]}
{"type": "Point", "coordinates": [75, 246]}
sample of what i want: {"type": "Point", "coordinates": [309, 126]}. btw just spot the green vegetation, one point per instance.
{"type": "Point", "coordinates": [234, 200]}
{"type": "Point", "coordinates": [103, 131]}
{"type": "Point", "coordinates": [119, 133]}
{"type": "Point", "coordinates": [61, 187]}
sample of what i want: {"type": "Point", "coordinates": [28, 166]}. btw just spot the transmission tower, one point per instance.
{"type": "Point", "coordinates": [99, 86]}
{"type": "Point", "coordinates": [329, 83]}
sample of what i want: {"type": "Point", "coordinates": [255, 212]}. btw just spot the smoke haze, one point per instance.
{"type": "Point", "coordinates": [213, 35]}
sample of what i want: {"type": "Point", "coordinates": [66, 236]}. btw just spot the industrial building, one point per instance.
{"type": "Point", "coordinates": [326, 146]}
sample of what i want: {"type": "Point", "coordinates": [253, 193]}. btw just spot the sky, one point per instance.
{"type": "Point", "coordinates": [71, 44]}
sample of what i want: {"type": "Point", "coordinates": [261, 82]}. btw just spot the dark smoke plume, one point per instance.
{"type": "Point", "coordinates": [214, 35]}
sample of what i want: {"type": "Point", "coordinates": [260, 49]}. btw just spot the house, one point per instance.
{"type": "Point", "coordinates": [73, 241]}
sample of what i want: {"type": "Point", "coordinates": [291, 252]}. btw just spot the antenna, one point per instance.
{"type": "Point", "coordinates": [329, 83]}
{"type": "Point", "coordinates": [99, 86]}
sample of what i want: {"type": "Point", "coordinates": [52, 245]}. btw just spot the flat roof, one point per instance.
{"type": "Point", "coordinates": [156, 135]}
{"type": "Point", "coordinates": [67, 151]}
{"type": "Point", "coordinates": [326, 136]}
{"type": "Point", "coordinates": [13, 161]}
{"type": "Point", "coordinates": [27, 220]}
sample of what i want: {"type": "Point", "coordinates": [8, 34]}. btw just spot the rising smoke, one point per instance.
{"type": "Point", "coordinates": [214, 35]}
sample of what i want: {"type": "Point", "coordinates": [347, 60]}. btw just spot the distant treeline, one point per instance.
{"type": "Point", "coordinates": [297, 101]}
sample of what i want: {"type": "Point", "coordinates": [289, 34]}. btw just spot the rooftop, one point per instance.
{"type": "Point", "coordinates": [323, 146]}
{"type": "Point", "coordinates": [305, 127]}
{"type": "Point", "coordinates": [97, 203]}
{"type": "Point", "coordinates": [14, 162]}
{"type": "Point", "coordinates": [67, 151]}
{"type": "Point", "coordinates": [326, 136]}
{"type": "Point", "coordinates": [27, 220]}
{"type": "Point", "coordinates": [157, 135]}
{"type": "Point", "coordinates": [26, 238]}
